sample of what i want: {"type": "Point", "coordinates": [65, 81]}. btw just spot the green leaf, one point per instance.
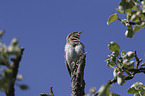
{"type": "Point", "coordinates": [142, 16]}
{"type": "Point", "coordinates": [129, 5]}
{"type": "Point", "coordinates": [128, 64]}
{"type": "Point", "coordinates": [126, 61]}
{"type": "Point", "coordinates": [119, 11]}
{"type": "Point", "coordinates": [124, 21]}
{"type": "Point", "coordinates": [112, 18]}
{"type": "Point", "coordinates": [136, 28]}
{"type": "Point", "coordinates": [130, 55]}
{"type": "Point", "coordinates": [115, 53]}
{"type": "Point", "coordinates": [137, 84]}
{"type": "Point", "coordinates": [138, 89]}
{"type": "Point", "coordinates": [143, 24]}
{"type": "Point", "coordinates": [14, 50]}
{"type": "Point", "coordinates": [122, 6]}
{"type": "Point", "coordinates": [128, 11]}
{"type": "Point", "coordinates": [14, 41]}
{"type": "Point", "coordinates": [113, 46]}
{"type": "Point", "coordinates": [112, 63]}
{"type": "Point", "coordinates": [140, 24]}
{"type": "Point", "coordinates": [4, 59]}
{"type": "Point", "coordinates": [136, 7]}
{"type": "Point", "coordinates": [23, 87]}
{"type": "Point", "coordinates": [123, 53]}
{"type": "Point", "coordinates": [142, 92]}
{"type": "Point", "coordinates": [132, 90]}
{"type": "Point", "coordinates": [115, 72]}
{"type": "Point", "coordinates": [135, 17]}
{"type": "Point", "coordinates": [120, 79]}
{"type": "Point", "coordinates": [104, 90]}
{"type": "Point", "coordinates": [92, 90]}
{"type": "Point", "coordinates": [129, 33]}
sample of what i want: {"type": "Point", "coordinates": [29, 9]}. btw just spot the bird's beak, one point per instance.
{"type": "Point", "coordinates": [80, 32]}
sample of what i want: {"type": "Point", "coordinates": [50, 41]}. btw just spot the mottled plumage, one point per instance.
{"type": "Point", "coordinates": [73, 49]}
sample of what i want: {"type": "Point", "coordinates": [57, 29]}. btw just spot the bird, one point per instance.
{"type": "Point", "coordinates": [73, 49]}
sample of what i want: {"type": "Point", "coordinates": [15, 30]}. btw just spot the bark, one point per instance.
{"type": "Point", "coordinates": [77, 77]}
{"type": "Point", "coordinates": [15, 65]}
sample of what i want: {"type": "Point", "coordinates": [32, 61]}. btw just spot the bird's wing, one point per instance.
{"type": "Point", "coordinates": [68, 67]}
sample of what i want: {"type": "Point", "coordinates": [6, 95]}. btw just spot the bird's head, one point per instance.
{"type": "Point", "coordinates": [74, 37]}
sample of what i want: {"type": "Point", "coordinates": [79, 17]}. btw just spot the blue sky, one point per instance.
{"type": "Point", "coordinates": [42, 26]}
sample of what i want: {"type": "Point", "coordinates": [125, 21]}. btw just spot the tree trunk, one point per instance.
{"type": "Point", "coordinates": [77, 77]}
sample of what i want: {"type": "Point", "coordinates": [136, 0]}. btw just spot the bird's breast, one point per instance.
{"type": "Point", "coordinates": [72, 53]}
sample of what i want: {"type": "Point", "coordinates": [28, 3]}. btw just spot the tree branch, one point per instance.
{"type": "Point", "coordinates": [77, 77]}
{"type": "Point", "coordinates": [137, 60]}
{"type": "Point", "coordinates": [136, 70]}
{"type": "Point", "coordinates": [15, 65]}
{"type": "Point", "coordinates": [133, 71]}
{"type": "Point", "coordinates": [51, 93]}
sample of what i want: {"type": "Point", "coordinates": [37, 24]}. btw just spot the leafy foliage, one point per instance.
{"type": "Point", "coordinates": [112, 18]}
{"type": "Point", "coordinates": [138, 89]}
{"type": "Point", "coordinates": [6, 52]}
{"type": "Point", "coordinates": [121, 63]}
{"type": "Point", "coordinates": [103, 91]}
{"type": "Point", "coordinates": [134, 13]}
{"type": "Point", "coordinates": [124, 69]}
